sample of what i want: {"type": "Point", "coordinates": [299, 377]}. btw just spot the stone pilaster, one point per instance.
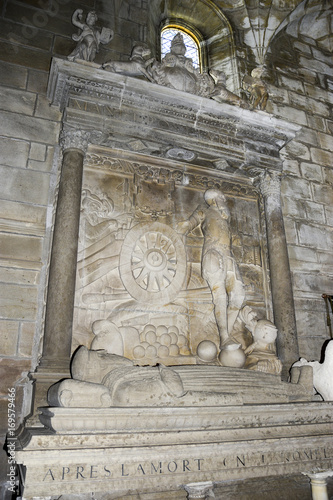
{"type": "Point", "coordinates": [55, 360]}
{"type": "Point", "coordinates": [281, 285]}
{"type": "Point", "coordinates": [197, 491]}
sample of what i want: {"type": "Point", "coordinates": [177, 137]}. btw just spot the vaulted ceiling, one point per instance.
{"type": "Point", "coordinates": [254, 22]}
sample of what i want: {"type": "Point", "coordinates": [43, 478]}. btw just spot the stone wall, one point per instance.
{"type": "Point", "coordinates": [31, 33]}
{"type": "Point", "coordinates": [302, 67]}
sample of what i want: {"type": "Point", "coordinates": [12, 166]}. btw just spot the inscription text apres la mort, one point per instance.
{"type": "Point", "coordinates": [79, 472]}
{"type": "Point", "coordinates": [74, 472]}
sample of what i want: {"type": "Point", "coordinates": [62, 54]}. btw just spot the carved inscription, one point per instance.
{"type": "Point", "coordinates": [112, 471]}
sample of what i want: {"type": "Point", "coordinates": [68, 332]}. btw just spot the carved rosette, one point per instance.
{"type": "Point", "coordinates": [199, 490]}
{"type": "Point", "coordinates": [153, 263]}
{"type": "Point", "coordinates": [75, 139]}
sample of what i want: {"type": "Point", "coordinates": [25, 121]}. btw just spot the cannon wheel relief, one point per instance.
{"type": "Point", "coordinates": [153, 263]}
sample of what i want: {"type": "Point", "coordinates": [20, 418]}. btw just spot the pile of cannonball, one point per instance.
{"type": "Point", "coordinates": [161, 342]}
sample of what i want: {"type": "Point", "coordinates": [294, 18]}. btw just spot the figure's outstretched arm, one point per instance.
{"type": "Point", "coordinates": [77, 18]}
{"type": "Point", "coordinates": [184, 227]}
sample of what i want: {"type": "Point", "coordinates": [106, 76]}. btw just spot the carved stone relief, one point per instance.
{"type": "Point", "coordinates": [140, 279]}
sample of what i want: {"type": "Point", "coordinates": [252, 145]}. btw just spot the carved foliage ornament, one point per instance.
{"type": "Point", "coordinates": [74, 139]}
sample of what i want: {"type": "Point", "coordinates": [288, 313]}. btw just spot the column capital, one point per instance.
{"type": "Point", "coordinates": [199, 490]}
{"type": "Point", "coordinates": [71, 138]}
{"type": "Point", "coordinates": [269, 182]}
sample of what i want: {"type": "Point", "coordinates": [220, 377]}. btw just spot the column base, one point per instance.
{"type": "Point", "coordinates": [42, 379]}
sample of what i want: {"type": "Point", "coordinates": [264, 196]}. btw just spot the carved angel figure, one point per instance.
{"type": "Point", "coordinates": [89, 39]}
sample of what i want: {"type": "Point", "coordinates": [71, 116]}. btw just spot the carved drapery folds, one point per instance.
{"type": "Point", "coordinates": [269, 183]}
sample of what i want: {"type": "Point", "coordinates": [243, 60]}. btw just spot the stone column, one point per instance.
{"type": "Point", "coordinates": [282, 295]}
{"type": "Point", "coordinates": [57, 341]}
{"type": "Point", "coordinates": [199, 490]}
{"type": "Point", "coordinates": [62, 273]}
{"type": "Point", "coordinates": [318, 484]}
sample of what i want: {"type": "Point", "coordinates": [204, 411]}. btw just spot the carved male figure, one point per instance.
{"type": "Point", "coordinates": [89, 38]}
{"type": "Point", "coordinates": [218, 265]}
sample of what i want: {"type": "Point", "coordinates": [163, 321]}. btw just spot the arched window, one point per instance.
{"type": "Point", "coordinates": [193, 39]}
{"type": "Point", "coordinates": [192, 45]}
{"type": "Point", "coordinates": [207, 25]}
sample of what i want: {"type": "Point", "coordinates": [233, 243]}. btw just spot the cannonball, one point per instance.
{"type": "Point", "coordinates": [174, 350]}
{"type": "Point", "coordinates": [174, 337]}
{"type": "Point", "coordinates": [139, 352]}
{"type": "Point", "coordinates": [163, 351]}
{"type": "Point", "coordinates": [207, 350]}
{"type": "Point", "coordinates": [150, 337]}
{"type": "Point", "coordinates": [173, 329]}
{"type": "Point", "coordinates": [161, 329]}
{"type": "Point", "coordinates": [182, 340]}
{"type": "Point", "coordinates": [151, 352]}
{"type": "Point", "coordinates": [165, 339]}
{"type": "Point", "coordinates": [147, 328]}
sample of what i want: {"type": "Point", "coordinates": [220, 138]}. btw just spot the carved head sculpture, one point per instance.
{"type": "Point", "coordinates": [178, 46]}
{"type": "Point", "coordinates": [91, 18]}
{"type": "Point", "coordinates": [265, 332]}
{"type": "Point", "coordinates": [217, 199]}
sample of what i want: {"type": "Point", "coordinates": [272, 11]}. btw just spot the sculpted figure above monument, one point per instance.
{"type": "Point", "coordinates": [138, 65]}
{"type": "Point", "coordinates": [256, 89]}
{"type": "Point", "coordinates": [218, 265]}
{"type": "Point", "coordinates": [222, 94]}
{"type": "Point", "coordinates": [90, 37]}
{"type": "Point", "coordinates": [177, 71]}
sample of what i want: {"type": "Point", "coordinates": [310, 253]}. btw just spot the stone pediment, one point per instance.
{"type": "Point", "coordinates": [164, 122]}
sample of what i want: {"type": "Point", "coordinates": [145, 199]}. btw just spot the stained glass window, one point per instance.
{"type": "Point", "coordinates": [192, 51]}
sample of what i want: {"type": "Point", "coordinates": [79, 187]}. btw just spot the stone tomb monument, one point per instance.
{"type": "Point", "coordinates": [177, 292]}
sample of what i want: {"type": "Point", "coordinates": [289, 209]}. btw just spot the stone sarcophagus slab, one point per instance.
{"type": "Point", "coordinates": [141, 450]}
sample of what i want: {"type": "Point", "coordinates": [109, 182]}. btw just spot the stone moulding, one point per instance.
{"type": "Point", "coordinates": [96, 99]}
{"type": "Point", "coordinates": [289, 420]}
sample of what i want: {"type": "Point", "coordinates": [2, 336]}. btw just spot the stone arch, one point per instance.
{"type": "Point", "coordinates": [209, 20]}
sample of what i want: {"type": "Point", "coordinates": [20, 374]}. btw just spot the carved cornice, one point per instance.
{"type": "Point", "coordinates": [126, 107]}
